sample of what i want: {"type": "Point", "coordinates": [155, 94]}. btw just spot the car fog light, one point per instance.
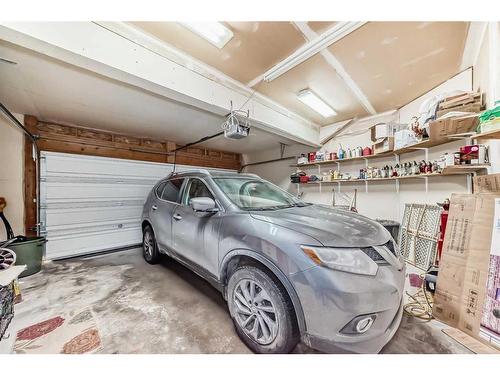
{"type": "Point", "coordinates": [364, 324]}
{"type": "Point", "coordinates": [359, 325]}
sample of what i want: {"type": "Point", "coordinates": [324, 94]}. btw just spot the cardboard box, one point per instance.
{"type": "Point", "coordinates": [463, 274]}
{"type": "Point", "coordinates": [464, 124]}
{"type": "Point", "coordinates": [487, 184]}
{"type": "Point", "coordinates": [383, 145]}
{"type": "Point", "coordinates": [491, 319]}
{"type": "Point", "coordinates": [442, 128]}
{"type": "Point", "coordinates": [379, 131]}
{"type": "Point", "coordinates": [472, 107]}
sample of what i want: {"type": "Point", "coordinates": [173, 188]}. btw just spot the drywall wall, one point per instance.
{"type": "Point", "coordinates": [487, 79]}
{"type": "Point", "coordinates": [11, 174]}
{"type": "Point", "coordinates": [375, 199]}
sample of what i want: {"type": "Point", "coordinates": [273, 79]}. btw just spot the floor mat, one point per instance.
{"type": "Point", "coordinates": [74, 333]}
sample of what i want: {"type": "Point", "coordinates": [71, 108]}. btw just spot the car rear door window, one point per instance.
{"type": "Point", "coordinates": [171, 191]}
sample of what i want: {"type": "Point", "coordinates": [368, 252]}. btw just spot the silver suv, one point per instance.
{"type": "Point", "coordinates": [289, 270]}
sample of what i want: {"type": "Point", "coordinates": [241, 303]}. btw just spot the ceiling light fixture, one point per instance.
{"type": "Point", "coordinates": [215, 32]}
{"type": "Point", "coordinates": [335, 33]}
{"type": "Point", "coordinates": [313, 101]}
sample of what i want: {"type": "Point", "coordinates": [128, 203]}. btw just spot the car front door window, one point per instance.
{"type": "Point", "coordinates": [197, 189]}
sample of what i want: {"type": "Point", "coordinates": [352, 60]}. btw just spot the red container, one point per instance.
{"type": "Point", "coordinates": [469, 153]}
{"type": "Point", "coordinates": [442, 230]}
{"type": "Point", "coordinates": [333, 156]}
{"type": "Point", "coordinates": [312, 157]}
{"type": "Point", "coordinates": [367, 151]}
{"type": "Point", "coordinates": [304, 179]}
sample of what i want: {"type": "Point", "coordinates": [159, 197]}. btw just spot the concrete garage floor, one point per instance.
{"type": "Point", "coordinates": [164, 308]}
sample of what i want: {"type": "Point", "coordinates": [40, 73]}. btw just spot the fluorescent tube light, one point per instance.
{"type": "Point", "coordinates": [332, 35]}
{"type": "Point", "coordinates": [215, 32]}
{"type": "Point", "coordinates": [316, 103]}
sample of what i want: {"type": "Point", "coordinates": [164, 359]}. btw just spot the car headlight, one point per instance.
{"type": "Point", "coordinates": [352, 260]}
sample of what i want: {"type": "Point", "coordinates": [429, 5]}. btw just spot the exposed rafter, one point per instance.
{"type": "Point", "coordinates": [314, 45]}
{"type": "Point", "coordinates": [335, 64]}
{"type": "Point", "coordinates": [338, 130]}
{"type": "Point", "coordinates": [328, 132]}
{"type": "Point", "coordinates": [174, 78]}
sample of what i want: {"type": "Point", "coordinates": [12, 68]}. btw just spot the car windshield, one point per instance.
{"type": "Point", "coordinates": [253, 194]}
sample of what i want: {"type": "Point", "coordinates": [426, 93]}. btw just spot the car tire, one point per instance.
{"type": "Point", "coordinates": [149, 246]}
{"type": "Point", "coordinates": [262, 312]}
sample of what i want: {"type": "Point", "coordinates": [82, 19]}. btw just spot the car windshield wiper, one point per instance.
{"type": "Point", "coordinates": [269, 208]}
{"type": "Point", "coordinates": [301, 204]}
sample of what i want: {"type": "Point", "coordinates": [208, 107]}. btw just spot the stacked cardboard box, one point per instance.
{"type": "Point", "coordinates": [490, 320]}
{"type": "Point", "coordinates": [466, 279]}
{"type": "Point", "coordinates": [442, 128]}
{"type": "Point", "coordinates": [467, 102]}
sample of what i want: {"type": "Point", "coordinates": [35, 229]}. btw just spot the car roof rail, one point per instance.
{"type": "Point", "coordinates": [251, 174]}
{"type": "Point", "coordinates": [194, 170]}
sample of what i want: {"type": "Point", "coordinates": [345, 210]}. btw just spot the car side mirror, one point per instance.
{"type": "Point", "coordinates": [203, 204]}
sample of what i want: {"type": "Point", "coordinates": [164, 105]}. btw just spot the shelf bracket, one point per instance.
{"type": "Point", "coordinates": [366, 186]}
{"type": "Point", "coordinates": [397, 158]}
{"type": "Point", "coordinates": [397, 186]}
{"type": "Point", "coordinates": [469, 182]}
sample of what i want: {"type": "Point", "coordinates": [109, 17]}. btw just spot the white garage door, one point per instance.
{"type": "Point", "coordinates": [90, 204]}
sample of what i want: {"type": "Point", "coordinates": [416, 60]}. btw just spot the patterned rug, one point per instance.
{"type": "Point", "coordinates": [76, 333]}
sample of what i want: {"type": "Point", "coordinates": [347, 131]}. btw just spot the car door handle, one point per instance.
{"type": "Point", "coordinates": [154, 207]}
{"type": "Point", "coordinates": [177, 217]}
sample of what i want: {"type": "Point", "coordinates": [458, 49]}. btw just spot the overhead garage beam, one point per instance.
{"type": "Point", "coordinates": [117, 51]}
{"type": "Point", "coordinates": [315, 43]}
{"type": "Point", "coordinates": [339, 68]}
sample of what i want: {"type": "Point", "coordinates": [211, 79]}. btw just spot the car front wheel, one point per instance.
{"type": "Point", "coordinates": [149, 246]}
{"type": "Point", "coordinates": [261, 311]}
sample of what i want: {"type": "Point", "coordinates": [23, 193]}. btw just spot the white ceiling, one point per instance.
{"type": "Point", "coordinates": [59, 92]}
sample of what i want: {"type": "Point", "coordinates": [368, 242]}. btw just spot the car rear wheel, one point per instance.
{"type": "Point", "coordinates": [149, 246]}
{"type": "Point", "coordinates": [261, 311]}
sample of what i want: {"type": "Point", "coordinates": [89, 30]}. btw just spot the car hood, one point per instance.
{"type": "Point", "coordinates": [330, 226]}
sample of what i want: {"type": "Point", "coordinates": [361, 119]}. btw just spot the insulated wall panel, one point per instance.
{"type": "Point", "coordinates": [90, 204]}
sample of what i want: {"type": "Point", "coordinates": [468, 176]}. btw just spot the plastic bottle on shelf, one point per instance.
{"type": "Point", "coordinates": [422, 166]}
{"type": "Point", "coordinates": [435, 167]}
{"type": "Point", "coordinates": [340, 152]}
{"type": "Point", "coordinates": [415, 169]}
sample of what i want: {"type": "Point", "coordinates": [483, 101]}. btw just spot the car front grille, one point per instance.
{"type": "Point", "coordinates": [391, 248]}
{"type": "Point", "coordinates": [373, 254]}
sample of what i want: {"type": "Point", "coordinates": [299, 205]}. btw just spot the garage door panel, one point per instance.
{"type": "Point", "coordinates": [71, 216]}
{"type": "Point", "coordinates": [90, 204]}
{"type": "Point", "coordinates": [87, 243]}
{"type": "Point", "coordinates": [79, 165]}
{"type": "Point", "coordinates": [75, 191]}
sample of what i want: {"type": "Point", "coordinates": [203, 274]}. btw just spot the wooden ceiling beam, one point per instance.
{"type": "Point", "coordinates": [310, 34]}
